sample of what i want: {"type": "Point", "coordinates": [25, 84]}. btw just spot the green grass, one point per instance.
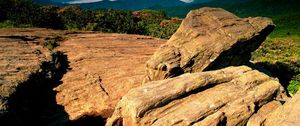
{"type": "Point", "coordinates": [7, 24]}
{"type": "Point", "coordinates": [52, 42]}
{"type": "Point", "coordinates": [287, 26]}
{"type": "Point", "coordinates": [11, 24]}
{"type": "Point", "coordinates": [294, 85]}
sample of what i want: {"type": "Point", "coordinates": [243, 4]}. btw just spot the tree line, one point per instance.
{"type": "Point", "coordinates": [146, 22]}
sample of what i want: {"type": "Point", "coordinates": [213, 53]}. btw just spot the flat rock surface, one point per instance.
{"type": "Point", "coordinates": [228, 96]}
{"type": "Point", "coordinates": [20, 57]}
{"type": "Point", "coordinates": [103, 67]}
{"type": "Point", "coordinates": [208, 39]}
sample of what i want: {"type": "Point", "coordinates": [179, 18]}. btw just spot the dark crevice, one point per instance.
{"type": "Point", "coordinates": [33, 102]}
{"type": "Point", "coordinates": [174, 72]}
{"type": "Point", "coordinates": [223, 122]}
{"type": "Point", "coordinates": [23, 38]}
{"type": "Point", "coordinates": [278, 70]}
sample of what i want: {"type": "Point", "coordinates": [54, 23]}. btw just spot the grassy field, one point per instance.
{"type": "Point", "coordinates": [280, 53]}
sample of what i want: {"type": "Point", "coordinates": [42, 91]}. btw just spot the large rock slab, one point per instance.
{"type": "Point", "coordinates": [208, 38]}
{"type": "Point", "coordinates": [103, 67]}
{"type": "Point", "coordinates": [228, 96]}
{"type": "Point", "coordinates": [17, 62]}
{"type": "Point", "coordinates": [22, 69]}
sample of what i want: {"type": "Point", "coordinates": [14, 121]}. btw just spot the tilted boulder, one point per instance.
{"type": "Point", "coordinates": [228, 96]}
{"type": "Point", "coordinates": [208, 38]}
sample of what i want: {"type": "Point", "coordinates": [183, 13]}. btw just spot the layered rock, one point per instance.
{"type": "Point", "coordinates": [103, 67]}
{"type": "Point", "coordinates": [23, 62]}
{"type": "Point", "coordinates": [208, 38]}
{"type": "Point", "coordinates": [258, 118]}
{"type": "Point", "coordinates": [18, 61]}
{"type": "Point", "coordinates": [228, 96]}
{"type": "Point", "coordinates": [286, 115]}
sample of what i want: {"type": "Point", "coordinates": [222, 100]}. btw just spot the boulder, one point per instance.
{"type": "Point", "coordinates": [228, 96]}
{"type": "Point", "coordinates": [258, 118]}
{"type": "Point", "coordinates": [208, 39]}
{"type": "Point", "coordinates": [286, 115]}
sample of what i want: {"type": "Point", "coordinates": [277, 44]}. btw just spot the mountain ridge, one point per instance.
{"type": "Point", "coordinates": [122, 4]}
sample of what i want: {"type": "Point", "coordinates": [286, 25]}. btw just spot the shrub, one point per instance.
{"type": "Point", "coordinates": [90, 27]}
{"type": "Point", "coordinates": [48, 18]}
{"type": "Point", "coordinates": [7, 24]}
{"type": "Point", "coordinates": [20, 11]}
{"type": "Point", "coordinates": [294, 85]}
{"type": "Point", "coordinates": [158, 31]}
{"type": "Point", "coordinates": [74, 18]}
{"type": "Point", "coordinates": [52, 42]}
{"type": "Point", "coordinates": [116, 21]}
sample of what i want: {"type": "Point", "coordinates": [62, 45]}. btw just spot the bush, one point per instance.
{"type": "Point", "coordinates": [156, 23]}
{"type": "Point", "coordinates": [150, 16]}
{"type": "Point", "coordinates": [116, 21]}
{"type": "Point", "coordinates": [48, 18]}
{"type": "Point", "coordinates": [294, 85]}
{"type": "Point", "coordinates": [158, 31]}
{"type": "Point", "coordinates": [23, 13]}
{"type": "Point", "coordinates": [20, 11]}
{"type": "Point", "coordinates": [7, 24]}
{"type": "Point", "coordinates": [73, 18]}
{"type": "Point", "coordinates": [52, 42]}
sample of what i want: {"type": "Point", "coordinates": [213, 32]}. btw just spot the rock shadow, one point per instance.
{"type": "Point", "coordinates": [33, 102]}
{"type": "Point", "coordinates": [279, 70]}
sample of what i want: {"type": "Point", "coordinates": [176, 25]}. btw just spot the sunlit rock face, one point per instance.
{"type": "Point", "coordinates": [228, 96]}
{"type": "Point", "coordinates": [208, 39]}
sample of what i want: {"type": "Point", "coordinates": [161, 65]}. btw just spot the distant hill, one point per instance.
{"type": "Point", "coordinates": [123, 4]}
{"type": "Point", "coordinates": [240, 7]}
{"type": "Point", "coordinates": [48, 2]}
{"type": "Point", "coordinates": [285, 13]}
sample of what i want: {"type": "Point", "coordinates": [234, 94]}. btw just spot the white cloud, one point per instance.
{"type": "Point", "coordinates": [187, 1]}
{"type": "Point", "coordinates": [83, 1]}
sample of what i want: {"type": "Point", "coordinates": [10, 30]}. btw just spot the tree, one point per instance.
{"type": "Point", "coordinates": [116, 21]}
{"type": "Point", "coordinates": [48, 18]}
{"type": "Point", "coordinates": [74, 18]}
{"type": "Point", "coordinates": [20, 11]}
